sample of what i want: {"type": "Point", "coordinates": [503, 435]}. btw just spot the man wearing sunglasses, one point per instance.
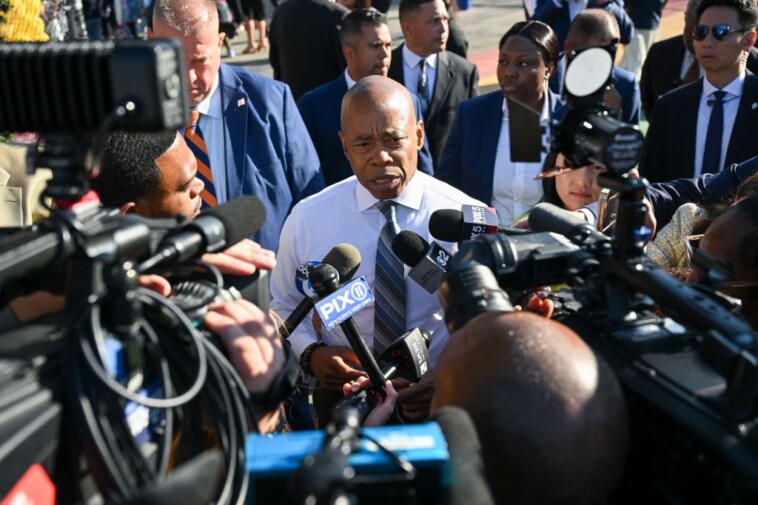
{"type": "Point", "coordinates": [707, 125]}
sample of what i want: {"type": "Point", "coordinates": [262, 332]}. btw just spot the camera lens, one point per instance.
{"type": "Point", "coordinates": [468, 291]}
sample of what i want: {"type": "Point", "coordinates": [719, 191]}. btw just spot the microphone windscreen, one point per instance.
{"type": "Point", "coordinates": [446, 225]}
{"type": "Point", "coordinates": [548, 217]}
{"type": "Point", "coordinates": [468, 484]}
{"type": "Point", "coordinates": [346, 258]}
{"type": "Point", "coordinates": [242, 217]}
{"type": "Point", "coordinates": [410, 247]}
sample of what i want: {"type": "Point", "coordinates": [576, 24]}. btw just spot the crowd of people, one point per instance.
{"type": "Point", "coordinates": [354, 141]}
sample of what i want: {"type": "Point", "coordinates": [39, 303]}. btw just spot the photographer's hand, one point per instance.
{"type": "Point", "coordinates": [384, 407]}
{"type": "Point", "coordinates": [255, 349]}
{"type": "Point", "coordinates": [334, 365]}
{"type": "Point", "coordinates": [415, 397]}
{"type": "Point", "coordinates": [243, 258]}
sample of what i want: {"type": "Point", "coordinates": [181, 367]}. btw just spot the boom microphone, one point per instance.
{"type": "Point", "coordinates": [548, 217]}
{"type": "Point", "coordinates": [451, 225]}
{"type": "Point", "coordinates": [345, 258]}
{"type": "Point", "coordinates": [212, 231]}
{"type": "Point", "coordinates": [428, 262]}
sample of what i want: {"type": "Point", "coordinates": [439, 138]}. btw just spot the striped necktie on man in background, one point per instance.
{"type": "Point", "coordinates": [194, 137]}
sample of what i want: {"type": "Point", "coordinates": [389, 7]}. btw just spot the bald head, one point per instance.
{"type": "Point", "coordinates": [379, 92]}
{"type": "Point", "coordinates": [186, 17]}
{"type": "Point", "coordinates": [550, 414]}
{"type": "Point", "coordinates": [591, 27]}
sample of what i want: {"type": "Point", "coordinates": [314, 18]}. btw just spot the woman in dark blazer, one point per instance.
{"type": "Point", "coordinates": [476, 158]}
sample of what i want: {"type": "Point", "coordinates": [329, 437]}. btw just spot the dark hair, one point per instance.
{"type": "Point", "coordinates": [747, 208]}
{"type": "Point", "coordinates": [408, 6]}
{"type": "Point", "coordinates": [128, 172]}
{"type": "Point", "coordinates": [747, 10]}
{"type": "Point", "coordinates": [593, 24]}
{"type": "Point", "coordinates": [353, 23]}
{"type": "Point", "coordinates": [541, 35]}
{"type": "Point", "coordinates": [548, 183]}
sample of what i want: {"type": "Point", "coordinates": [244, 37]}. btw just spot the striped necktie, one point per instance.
{"type": "Point", "coordinates": [422, 87]}
{"type": "Point", "coordinates": [194, 137]}
{"type": "Point", "coordinates": [389, 289]}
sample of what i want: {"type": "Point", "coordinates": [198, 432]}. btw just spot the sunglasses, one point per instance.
{"type": "Point", "coordinates": [720, 32]}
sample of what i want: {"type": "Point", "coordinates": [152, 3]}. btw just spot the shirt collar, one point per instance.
{"type": "Point", "coordinates": [411, 197]}
{"type": "Point", "coordinates": [349, 80]}
{"type": "Point", "coordinates": [211, 106]}
{"type": "Point", "coordinates": [733, 88]}
{"type": "Point", "coordinates": [544, 115]}
{"type": "Point", "coordinates": [412, 59]}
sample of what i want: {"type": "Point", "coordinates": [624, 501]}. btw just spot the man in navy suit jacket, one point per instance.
{"type": "Point", "coordinates": [560, 13]}
{"type": "Point", "coordinates": [681, 141]}
{"type": "Point", "coordinates": [256, 141]}
{"type": "Point", "coordinates": [366, 45]}
{"type": "Point", "coordinates": [595, 27]}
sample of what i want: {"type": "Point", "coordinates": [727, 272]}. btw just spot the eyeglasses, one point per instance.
{"type": "Point", "coordinates": [720, 32]}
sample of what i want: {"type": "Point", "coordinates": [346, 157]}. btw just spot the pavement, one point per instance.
{"type": "Point", "coordinates": [483, 23]}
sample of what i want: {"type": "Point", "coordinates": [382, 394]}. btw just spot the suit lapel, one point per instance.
{"type": "Point", "coordinates": [442, 83]}
{"type": "Point", "coordinates": [745, 120]}
{"type": "Point", "coordinates": [489, 129]}
{"type": "Point", "coordinates": [234, 104]}
{"type": "Point", "coordinates": [396, 65]}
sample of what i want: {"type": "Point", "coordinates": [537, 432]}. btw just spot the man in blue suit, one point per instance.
{"type": "Point", "coordinates": [254, 138]}
{"type": "Point", "coordinates": [559, 14]}
{"type": "Point", "coordinates": [366, 45]}
{"type": "Point", "coordinates": [591, 28]}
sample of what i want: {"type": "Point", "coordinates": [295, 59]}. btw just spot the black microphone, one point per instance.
{"type": "Point", "coordinates": [451, 225]}
{"type": "Point", "coordinates": [345, 258]}
{"type": "Point", "coordinates": [213, 230]}
{"type": "Point", "coordinates": [326, 280]}
{"type": "Point", "coordinates": [428, 262]}
{"type": "Point", "coordinates": [406, 357]}
{"type": "Point", "coordinates": [548, 217]}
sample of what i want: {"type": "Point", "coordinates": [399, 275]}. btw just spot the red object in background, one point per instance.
{"type": "Point", "coordinates": [33, 488]}
{"type": "Point", "coordinates": [89, 197]}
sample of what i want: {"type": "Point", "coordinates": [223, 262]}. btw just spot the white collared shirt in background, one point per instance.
{"type": "Point", "coordinates": [731, 106]}
{"type": "Point", "coordinates": [411, 70]}
{"type": "Point", "coordinates": [514, 190]}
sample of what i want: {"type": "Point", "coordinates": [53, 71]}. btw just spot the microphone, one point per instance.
{"type": "Point", "coordinates": [345, 258]}
{"type": "Point", "coordinates": [428, 262]}
{"type": "Point", "coordinates": [211, 231]}
{"type": "Point", "coordinates": [548, 217]}
{"type": "Point", "coordinates": [451, 225]}
{"type": "Point", "coordinates": [406, 357]}
{"type": "Point", "coordinates": [337, 306]}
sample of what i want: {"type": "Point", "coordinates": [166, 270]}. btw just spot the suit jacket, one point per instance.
{"type": "Point", "coordinates": [559, 18]}
{"type": "Point", "coordinates": [669, 151]}
{"type": "Point", "coordinates": [457, 80]}
{"type": "Point", "coordinates": [468, 162]}
{"type": "Point", "coordinates": [645, 14]}
{"type": "Point", "coordinates": [707, 189]}
{"type": "Point", "coordinates": [622, 80]}
{"type": "Point", "coordinates": [320, 109]}
{"type": "Point", "coordinates": [662, 67]}
{"type": "Point", "coordinates": [268, 151]}
{"type": "Point", "coordinates": [305, 48]}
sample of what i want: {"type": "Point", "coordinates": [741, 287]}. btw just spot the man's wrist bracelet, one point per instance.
{"type": "Point", "coordinates": [305, 357]}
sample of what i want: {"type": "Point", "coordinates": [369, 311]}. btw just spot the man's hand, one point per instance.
{"type": "Point", "coordinates": [415, 398]}
{"type": "Point", "coordinates": [243, 258]}
{"type": "Point", "coordinates": [255, 349]}
{"type": "Point", "coordinates": [334, 365]}
{"type": "Point", "coordinates": [384, 407]}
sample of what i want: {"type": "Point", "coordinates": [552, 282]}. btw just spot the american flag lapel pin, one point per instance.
{"type": "Point", "coordinates": [241, 102]}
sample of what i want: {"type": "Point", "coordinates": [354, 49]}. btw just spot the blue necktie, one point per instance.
{"type": "Point", "coordinates": [389, 289]}
{"type": "Point", "coordinates": [712, 152]}
{"type": "Point", "coordinates": [422, 89]}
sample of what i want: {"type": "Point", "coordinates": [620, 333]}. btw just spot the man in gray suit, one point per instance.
{"type": "Point", "coordinates": [440, 79]}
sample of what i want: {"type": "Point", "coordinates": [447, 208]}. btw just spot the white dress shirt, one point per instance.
{"type": "Point", "coordinates": [686, 62]}
{"type": "Point", "coordinates": [346, 213]}
{"type": "Point", "coordinates": [514, 190]}
{"type": "Point", "coordinates": [211, 122]}
{"type": "Point", "coordinates": [349, 80]}
{"type": "Point", "coordinates": [731, 106]}
{"type": "Point", "coordinates": [411, 70]}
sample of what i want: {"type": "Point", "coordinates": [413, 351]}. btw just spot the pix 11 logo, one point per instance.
{"type": "Point", "coordinates": [345, 302]}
